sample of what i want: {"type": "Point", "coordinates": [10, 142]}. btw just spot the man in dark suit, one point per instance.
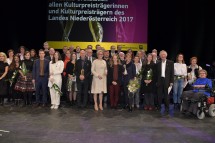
{"type": "Point", "coordinates": [91, 59]}
{"type": "Point", "coordinates": [83, 72]}
{"type": "Point", "coordinates": [164, 78]}
{"type": "Point", "coordinates": [40, 77]}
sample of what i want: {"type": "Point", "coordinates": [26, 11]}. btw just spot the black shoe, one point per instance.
{"type": "Point", "coordinates": [36, 105]}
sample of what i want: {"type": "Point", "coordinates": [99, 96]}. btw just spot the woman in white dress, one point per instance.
{"type": "Point", "coordinates": [99, 83]}
{"type": "Point", "coordinates": [55, 70]}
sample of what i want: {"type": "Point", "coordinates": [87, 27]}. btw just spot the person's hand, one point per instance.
{"type": "Point", "coordinates": [33, 81]}
{"type": "Point", "coordinates": [70, 76]}
{"type": "Point", "coordinates": [100, 77]}
{"type": "Point", "coordinates": [81, 77]}
{"type": "Point", "coordinates": [146, 81]}
{"type": "Point", "coordinates": [171, 84]}
{"type": "Point", "coordinates": [106, 72]}
{"type": "Point", "coordinates": [114, 83]}
{"type": "Point", "coordinates": [51, 73]}
{"type": "Point", "coordinates": [52, 80]}
{"type": "Point", "coordinates": [25, 78]}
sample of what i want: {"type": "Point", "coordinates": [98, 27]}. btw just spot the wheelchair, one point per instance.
{"type": "Point", "coordinates": [205, 104]}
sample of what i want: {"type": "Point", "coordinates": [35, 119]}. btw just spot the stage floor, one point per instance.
{"type": "Point", "coordinates": [68, 125]}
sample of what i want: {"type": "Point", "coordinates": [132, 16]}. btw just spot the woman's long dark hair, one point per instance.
{"type": "Point", "coordinates": [59, 57]}
{"type": "Point", "coordinates": [13, 63]}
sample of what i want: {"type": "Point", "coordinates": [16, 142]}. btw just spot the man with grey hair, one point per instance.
{"type": "Point", "coordinates": [164, 79]}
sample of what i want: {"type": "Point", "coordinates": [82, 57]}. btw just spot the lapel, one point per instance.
{"type": "Point", "coordinates": [167, 67]}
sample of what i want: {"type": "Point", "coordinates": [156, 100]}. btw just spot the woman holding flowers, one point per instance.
{"type": "Point", "coordinates": [147, 83]}
{"type": "Point", "coordinates": [13, 74]}
{"type": "Point", "coordinates": [128, 74]}
{"type": "Point", "coordinates": [24, 82]}
{"type": "Point", "coordinates": [56, 67]}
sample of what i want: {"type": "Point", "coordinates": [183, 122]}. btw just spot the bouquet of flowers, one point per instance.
{"type": "Point", "coordinates": [57, 89]}
{"type": "Point", "coordinates": [24, 69]}
{"type": "Point", "coordinates": [149, 75]}
{"type": "Point", "coordinates": [133, 85]}
{"type": "Point", "coordinates": [139, 74]}
{"type": "Point", "coordinates": [11, 80]}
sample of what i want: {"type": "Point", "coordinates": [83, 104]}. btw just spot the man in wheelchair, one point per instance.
{"type": "Point", "coordinates": [200, 89]}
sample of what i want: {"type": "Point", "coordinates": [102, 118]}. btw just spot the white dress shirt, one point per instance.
{"type": "Point", "coordinates": [163, 68]}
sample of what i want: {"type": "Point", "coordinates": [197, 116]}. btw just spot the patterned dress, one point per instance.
{"type": "Point", "coordinates": [23, 85]}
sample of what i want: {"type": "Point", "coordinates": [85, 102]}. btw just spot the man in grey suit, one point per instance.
{"type": "Point", "coordinates": [40, 78]}
{"type": "Point", "coordinates": [164, 78]}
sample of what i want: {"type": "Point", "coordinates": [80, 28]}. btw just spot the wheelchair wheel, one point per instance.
{"type": "Point", "coordinates": [211, 110]}
{"type": "Point", "coordinates": [200, 114]}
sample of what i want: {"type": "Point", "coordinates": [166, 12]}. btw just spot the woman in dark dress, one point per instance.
{"type": "Point", "coordinates": [147, 83]}
{"type": "Point", "coordinates": [3, 74]}
{"type": "Point", "coordinates": [13, 74]}
{"type": "Point", "coordinates": [24, 83]}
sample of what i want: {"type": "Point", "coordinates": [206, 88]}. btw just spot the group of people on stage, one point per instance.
{"type": "Point", "coordinates": [99, 78]}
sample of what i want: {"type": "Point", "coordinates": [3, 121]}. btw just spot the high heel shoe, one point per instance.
{"type": "Point", "coordinates": [96, 107]}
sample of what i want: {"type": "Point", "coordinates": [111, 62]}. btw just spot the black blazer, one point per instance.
{"type": "Point", "coordinates": [86, 67]}
{"type": "Point", "coordinates": [110, 75]}
{"type": "Point", "coordinates": [169, 73]}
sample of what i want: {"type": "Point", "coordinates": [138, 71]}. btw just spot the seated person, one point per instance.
{"type": "Point", "coordinates": [197, 92]}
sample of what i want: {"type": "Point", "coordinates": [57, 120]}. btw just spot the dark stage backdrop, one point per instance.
{"type": "Point", "coordinates": [185, 26]}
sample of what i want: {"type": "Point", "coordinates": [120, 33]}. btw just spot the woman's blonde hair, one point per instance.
{"type": "Point", "coordinates": [5, 56]}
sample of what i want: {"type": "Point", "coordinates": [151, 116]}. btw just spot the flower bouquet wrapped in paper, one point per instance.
{"type": "Point", "coordinates": [57, 89]}
{"type": "Point", "coordinates": [139, 74]}
{"type": "Point", "coordinates": [149, 75]}
{"type": "Point", "coordinates": [12, 79]}
{"type": "Point", "coordinates": [133, 85]}
{"type": "Point", "coordinates": [125, 72]}
{"type": "Point", "coordinates": [24, 69]}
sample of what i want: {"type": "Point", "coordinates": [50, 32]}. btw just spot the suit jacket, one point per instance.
{"type": "Point", "coordinates": [86, 67]}
{"type": "Point", "coordinates": [169, 73]}
{"type": "Point", "coordinates": [36, 69]}
{"type": "Point", "coordinates": [131, 70]}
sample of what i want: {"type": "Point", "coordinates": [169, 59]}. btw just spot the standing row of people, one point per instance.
{"type": "Point", "coordinates": [80, 73]}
